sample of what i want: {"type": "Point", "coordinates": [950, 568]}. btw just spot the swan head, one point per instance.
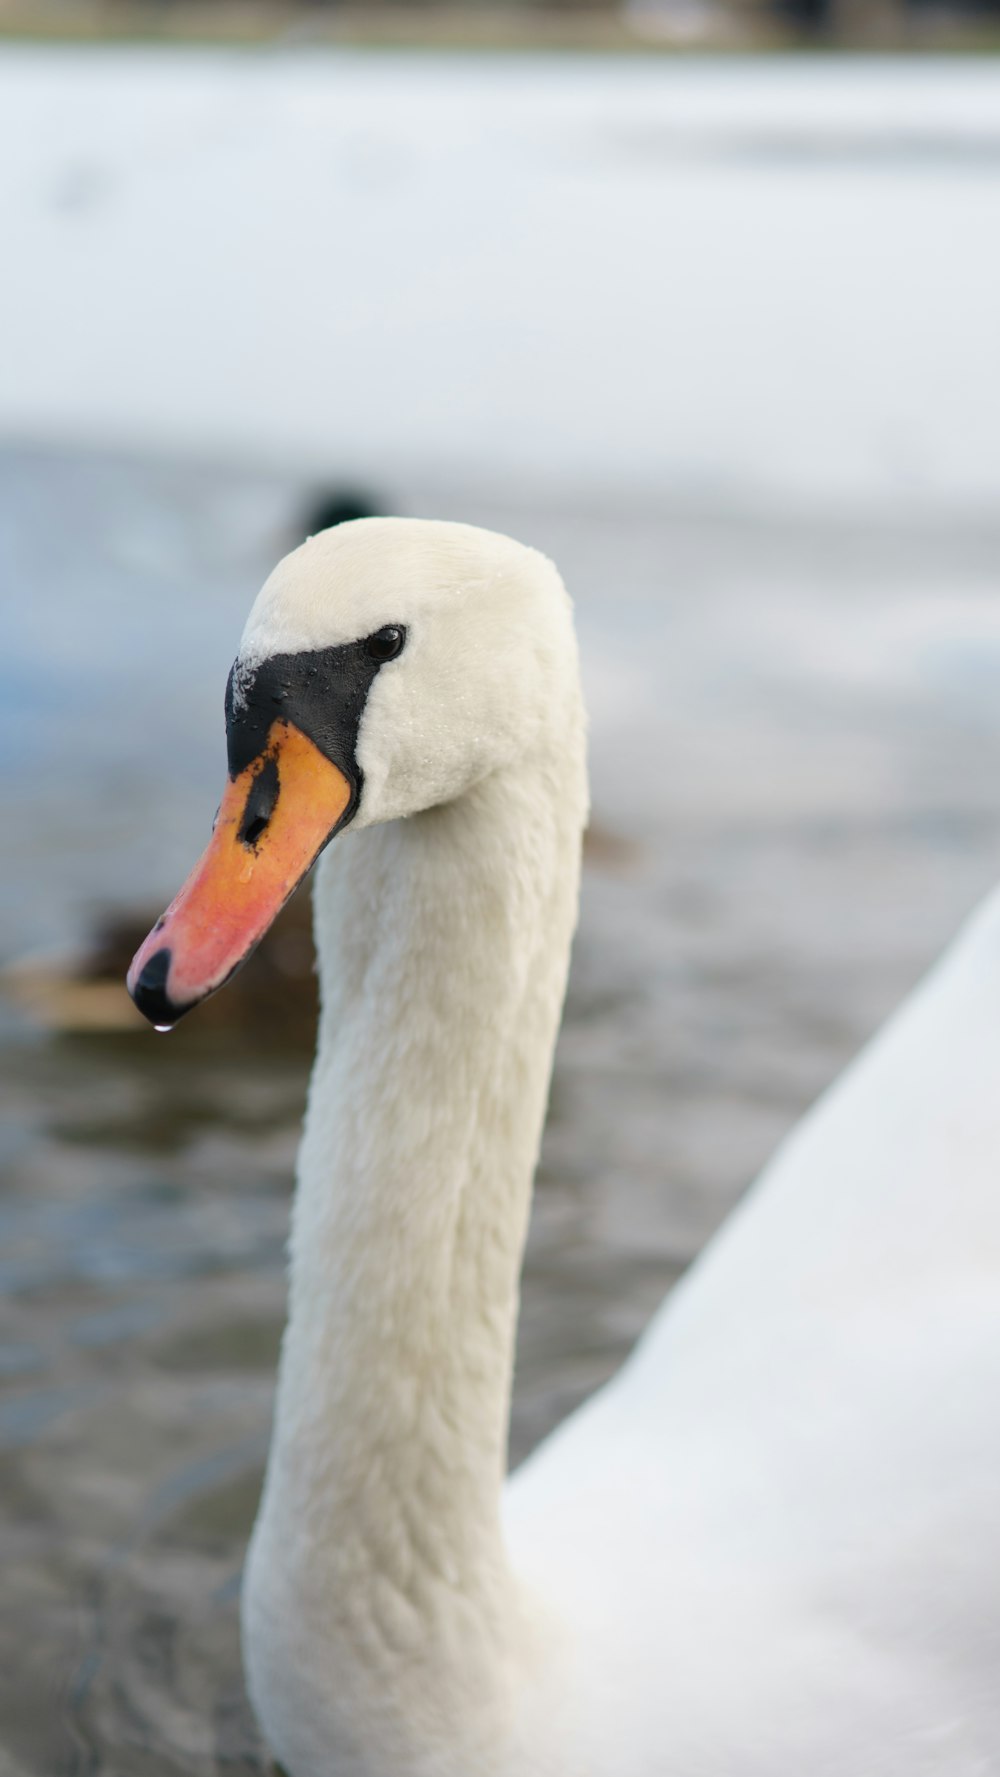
{"type": "Point", "coordinates": [386, 667]}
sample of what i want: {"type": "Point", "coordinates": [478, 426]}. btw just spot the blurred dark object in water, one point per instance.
{"type": "Point", "coordinates": [606, 850]}
{"type": "Point", "coordinates": [272, 999]}
{"type": "Point", "coordinates": [814, 16]}
{"type": "Point", "coordinates": [338, 505]}
{"type": "Point", "coordinates": [862, 22]}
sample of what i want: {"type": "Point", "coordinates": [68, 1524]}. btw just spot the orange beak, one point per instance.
{"type": "Point", "coordinates": [275, 819]}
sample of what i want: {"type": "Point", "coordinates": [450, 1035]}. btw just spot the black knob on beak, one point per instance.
{"type": "Point", "coordinates": [150, 991]}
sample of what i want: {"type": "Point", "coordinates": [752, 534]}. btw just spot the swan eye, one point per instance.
{"type": "Point", "coordinates": [386, 643]}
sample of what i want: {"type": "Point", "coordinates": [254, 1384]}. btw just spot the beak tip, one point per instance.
{"type": "Point", "coordinates": [148, 988]}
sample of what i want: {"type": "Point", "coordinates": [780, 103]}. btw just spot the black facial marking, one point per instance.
{"type": "Point", "coordinates": [323, 692]}
{"type": "Point", "coordinates": [260, 803]}
{"type": "Point", "coordinates": [150, 991]}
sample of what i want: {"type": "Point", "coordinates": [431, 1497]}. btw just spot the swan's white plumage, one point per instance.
{"type": "Point", "coordinates": [772, 1545]}
{"type": "Point", "coordinates": [807, 1575]}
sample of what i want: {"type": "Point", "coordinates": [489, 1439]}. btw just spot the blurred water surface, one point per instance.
{"type": "Point", "coordinates": [795, 747]}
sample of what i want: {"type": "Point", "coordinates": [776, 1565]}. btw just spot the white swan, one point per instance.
{"type": "Point", "coordinates": [771, 1548]}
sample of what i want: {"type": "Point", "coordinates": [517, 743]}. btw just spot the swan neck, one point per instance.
{"type": "Point", "coordinates": [444, 943]}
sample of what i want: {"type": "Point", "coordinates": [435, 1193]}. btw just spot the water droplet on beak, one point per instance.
{"type": "Point", "coordinates": [163, 1028]}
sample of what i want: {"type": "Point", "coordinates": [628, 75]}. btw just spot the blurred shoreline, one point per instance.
{"type": "Point", "coordinates": [644, 27]}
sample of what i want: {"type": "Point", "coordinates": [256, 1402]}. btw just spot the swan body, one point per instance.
{"type": "Point", "coordinates": [771, 1546]}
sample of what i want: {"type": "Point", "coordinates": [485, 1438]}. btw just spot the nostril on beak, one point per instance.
{"type": "Point", "coordinates": [251, 831]}
{"type": "Point", "coordinates": [260, 804]}
{"type": "Point", "coordinates": [150, 994]}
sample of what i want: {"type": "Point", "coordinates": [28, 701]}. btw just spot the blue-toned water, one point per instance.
{"type": "Point", "coordinates": [796, 763]}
